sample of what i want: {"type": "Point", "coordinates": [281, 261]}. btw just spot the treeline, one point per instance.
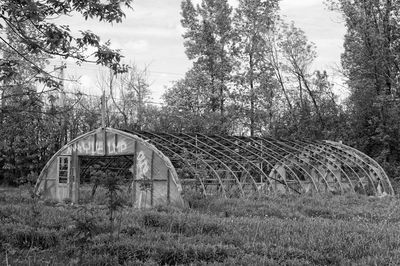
{"type": "Point", "coordinates": [251, 75]}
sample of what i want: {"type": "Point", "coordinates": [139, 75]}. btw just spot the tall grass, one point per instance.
{"type": "Point", "coordinates": [275, 230]}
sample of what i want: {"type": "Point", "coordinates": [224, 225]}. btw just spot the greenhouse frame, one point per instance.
{"type": "Point", "coordinates": [161, 167]}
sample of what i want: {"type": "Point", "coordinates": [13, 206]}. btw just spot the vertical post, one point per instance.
{"type": "Point", "coordinates": [105, 148]}
{"type": "Point", "coordinates": [71, 176]}
{"type": "Point", "coordinates": [116, 143]}
{"type": "Point", "coordinates": [152, 179]}
{"type": "Point", "coordinates": [95, 142]}
{"type": "Point", "coordinates": [75, 175]}
{"type": "Point", "coordinates": [134, 171]}
{"type": "Point", "coordinates": [168, 186]}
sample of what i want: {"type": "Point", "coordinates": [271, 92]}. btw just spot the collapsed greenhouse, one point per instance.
{"type": "Point", "coordinates": [159, 167]}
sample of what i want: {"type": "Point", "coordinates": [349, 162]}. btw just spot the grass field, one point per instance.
{"type": "Point", "coordinates": [276, 230]}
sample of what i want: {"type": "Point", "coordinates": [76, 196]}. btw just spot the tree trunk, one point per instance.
{"type": "Point", "coordinates": [252, 104]}
{"type": "Point", "coordinates": [305, 82]}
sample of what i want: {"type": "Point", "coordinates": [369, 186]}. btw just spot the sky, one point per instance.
{"type": "Point", "coordinates": [151, 37]}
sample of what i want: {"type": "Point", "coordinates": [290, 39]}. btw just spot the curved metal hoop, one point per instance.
{"type": "Point", "coordinates": [268, 165]}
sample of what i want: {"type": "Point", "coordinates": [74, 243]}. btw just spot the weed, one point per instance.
{"type": "Point", "coordinates": [84, 229]}
{"type": "Point", "coordinates": [111, 181]}
{"type": "Point", "coordinates": [273, 230]}
{"type": "Point", "coordinates": [26, 238]}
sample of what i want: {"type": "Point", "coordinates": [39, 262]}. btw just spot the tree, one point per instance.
{"type": "Point", "coordinates": [253, 23]}
{"type": "Point", "coordinates": [129, 94]}
{"type": "Point", "coordinates": [134, 93]}
{"type": "Point", "coordinates": [188, 108]}
{"type": "Point", "coordinates": [208, 38]}
{"type": "Point", "coordinates": [371, 66]}
{"type": "Point", "coordinates": [29, 121]}
{"type": "Point", "coordinates": [299, 54]}
{"type": "Point", "coordinates": [20, 114]}
{"type": "Point", "coordinates": [31, 22]}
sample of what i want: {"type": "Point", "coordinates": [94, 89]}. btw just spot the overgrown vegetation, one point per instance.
{"type": "Point", "coordinates": [274, 230]}
{"type": "Point", "coordinates": [252, 74]}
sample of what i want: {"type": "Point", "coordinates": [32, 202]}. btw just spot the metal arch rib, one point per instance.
{"type": "Point", "coordinates": [377, 165]}
{"type": "Point", "coordinates": [192, 153]}
{"type": "Point", "coordinates": [323, 148]}
{"type": "Point", "coordinates": [361, 154]}
{"type": "Point", "coordinates": [212, 156]}
{"type": "Point", "coordinates": [353, 159]}
{"type": "Point", "coordinates": [173, 152]}
{"type": "Point", "coordinates": [307, 146]}
{"type": "Point", "coordinates": [223, 154]}
{"type": "Point", "coordinates": [240, 165]}
{"type": "Point", "coordinates": [283, 162]}
{"type": "Point", "coordinates": [302, 149]}
{"type": "Point", "coordinates": [249, 161]}
{"type": "Point", "coordinates": [291, 148]}
{"type": "Point", "coordinates": [308, 153]}
{"type": "Point", "coordinates": [332, 153]}
{"type": "Point", "coordinates": [343, 159]}
{"type": "Point", "coordinates": [370, 160]}
{"type": "Point", "coordinates": [268, 178]}
{"type": "Point", "coordinates": [288, 153]}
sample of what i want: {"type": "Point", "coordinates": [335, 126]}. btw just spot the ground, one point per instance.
{"type": "Point", "coordinates": [273, 230]}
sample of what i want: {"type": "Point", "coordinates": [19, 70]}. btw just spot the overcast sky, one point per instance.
{"type": "Point", "coordinates": [151, 35]}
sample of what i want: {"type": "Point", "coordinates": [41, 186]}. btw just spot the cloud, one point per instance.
{"type": "Point", "coordinates": [151, 35]}
{"type": "Point", "coordinates": [284, 4]}
{"type": "Point", "coordinates": [136, 46]}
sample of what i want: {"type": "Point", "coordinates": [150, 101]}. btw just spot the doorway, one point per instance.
{"type": "Point", "coordinates": [93, 168]}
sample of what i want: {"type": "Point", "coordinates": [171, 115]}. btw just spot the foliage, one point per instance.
{"type": "Point", "coordinates": [253, 23]}
{"type": "Point", "coordinates": [370, 64]}
{"type": "Point", "coordinates": [32, 22]}
{"type": "Point", "coordinates": [33, 125]}
{"type": "Point", "coordinates": [129, 93]}
{"type": "Point", "coordinates": [111, 181]}
{"type": "Point", "coordinates": [84, 229]}
{"type": "Point", "coordinates": [208, 38]}
{"type": "Point", "coordinates": [266, 83]}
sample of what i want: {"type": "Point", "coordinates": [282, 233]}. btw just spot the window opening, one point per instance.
{"type": "Point", "coordinates": [63, 169]}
